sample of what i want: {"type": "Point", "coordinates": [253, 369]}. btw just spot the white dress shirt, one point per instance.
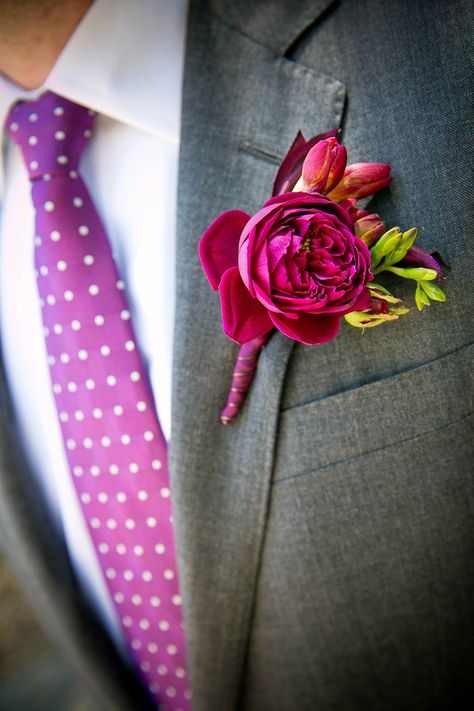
{"type": "Point", "coordinates": [125, 61]}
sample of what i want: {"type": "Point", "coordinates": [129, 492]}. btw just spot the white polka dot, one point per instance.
{"type": "Point", "coordinates": [128, 575]}
{"type": "Point", "coordinates": [119, 597]}
{"type": "Point", "coordinates": [125, 439]}
{"type": "Point", "coordinates": [51, 299]}
{"type": "Point", "coordinates": [151, 522]}
{"type": "Point", "coordinates": [78, 202]}
{"type": "Point", "coordinates": [136, 644]}
{"type": "Point", "coordinates": [93, 289]}
{"type": "Point", "coordinates": [168, 574]}
{"type": "Point", "coordinates": [76, 325]}
{"type": "Point", "coordinates": [111, 573]}
{"type": "Point", "coordinates": [164, 625]}
{"type": "Point", "coordinates": [142, 495]}
{"type": "Point", "coordinates": [154, 688]}
{"type": "Point", "coordinates": [59, 135]}
{"type": "Point", "coordinates": [105, 441]}
{"type": "Point", "coordinates": [111, 523]}
{"type": "Point", "coordinates": [43, 270]}
{"type": "Point", "coordinates": [51, 360]}
{"type": "Point", "coordinates": [58, 111]}
{"type": "Point", "coordinates": [14, 126]}
{"type": "Point", "coordinates": [82, 354]}
{"type": "Point", "coordinates": [61, 265]}
{"type": "Point", "coordinates": [87, 133]}
{"type": "Point", "coordinates": [180, 672]}
{"type": "Point", "coordinates": [46, 331]}
{"type": "Point", "coordinates": [78, 471]}
{"type": "Point", "coordinates": [121, 548]}
{"type": "Point", "coordinates": [129, 523]}
{"type": "Point", "coordinates": [165, 492]}
{"type": "Point", "coordinates": [155, 601]}
{"type": "Point", "coordinates": [118, 409]}
{"type": "Point", "coordinates": [129, 345]}
{"type": "Point", "coordinates": [103, 548]}
{"type": "Point", "coordinates": [147, 576]}
{"type": "Point", "coordinates": [49, 205]}
{"type": "Point", "coordinates": [88, 260]}
{"type": "Point", "coordinates": [134, 468]}
{"type": "Point", "coordinates": [156, 464]}
{"type": "Point", "coordinates": [95, 470]}
{"type": "Point", "coordinates": [33, 140]}
{"type": "Point", "coordinates": [104, 351]}
{"type": "Point", "coordinates": [172, 649]}
{"type": "Point", "coordinates": [162, 669]}
{"type": "Point", "coordinates": [62, 160]}
{"type": "Point", "coordinates": [64, 358]}
{"type": "Point", "coordinates": [87, 442]}
{"type": "Point", "coordinates": [63, 416]}
{"type": "Point", "coordinates": [177, 600]}
{"type": "Point", "coordinates": [99, 320]}
{"type": "Point", "coordinates": [68, 295]}
{"type": "Point", "coordinates": [97, 413]}
{"type": "Point", "coordinates": [57, 389]}
{"type": "Point", "coordinates": [33, 117]}
{"type": "Point", "coordinates": [144, 624]}
{"type": "Point", "coordinates": [102, 497]}
{"type": "Point", "coordinates": [79, 415]}
{"type": "Point", "coordinates": [145, 666]}
{"type": "Point", "coordinates": [46, 177]}
{"type": "Point", "coordinates": [127, 621]}
{"type": "Point", "coordinates": [113, 469]}
{"type": "Point", "coordinates": [141, 406]}
{"type": "Point", "coordinates": [152, 647]}
{"type": "Point", "coordinates": [188, 695]}
{"type": "Point", "coordinates": [120, 285]}
{"type": "Point", "coordinates": [134, 376]}
{"type": "Point", "coordinates": [125, 315]}
{"type": "Point", "coordinates": [121, 497]}
{"type": "Point", "coordinates": [160, 548]}
{"type": "Point", "coordinates": [38, 240]}
{"type": "Point", "coordinates": [71, 444]}
{"type": "Point", "coordinates": [83, 229]}
{"type": "Point", "coordinates": [95, 523]}
{"type": "Point", "coordinates": [111, 380]}
{"type": "Point", "coordinates": [90, 384]}
{"type": "Point", "coordinates": [136, 599]}
{"type": "Point", "coordinates": [138, 550]}
{"type": "Point", "coordinates": [72, 174]}
{"type": "Point", "coordinates": [148, 436]}
{"type": "Point", "coordinates": [170, 691]}
{"type": "Point", "coordinates": [34, 164]}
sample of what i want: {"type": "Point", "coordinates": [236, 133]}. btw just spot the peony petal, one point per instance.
{"type": "Point", "coordinates": [218, 247]}
{"type": "Point", "coordinates": [310, 330]}
{"type": "Point", "coordinates": [243, 317]}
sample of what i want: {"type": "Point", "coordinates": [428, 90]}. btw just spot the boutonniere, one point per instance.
{"type": "Point", "coordinates": [310, 257]}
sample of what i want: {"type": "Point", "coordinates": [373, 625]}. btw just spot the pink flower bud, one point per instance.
{"type": "Point", "coordinates": [324, 166]}
{"type": "Point", "coordinates": [369, 228]}
{"type": "Point", "coordinates": [361, 180]}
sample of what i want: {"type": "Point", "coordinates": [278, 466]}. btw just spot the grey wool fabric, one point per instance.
{"type": "Point", "coordinates": [325, 537]}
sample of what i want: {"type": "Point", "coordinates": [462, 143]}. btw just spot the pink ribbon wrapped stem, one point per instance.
{"type": "Point", "coordinates": [242, 377]}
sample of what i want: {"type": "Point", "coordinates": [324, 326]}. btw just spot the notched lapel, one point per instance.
{"type": "Point", "coordinates": [242, 106]}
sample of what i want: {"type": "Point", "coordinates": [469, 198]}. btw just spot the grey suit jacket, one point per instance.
{"type": "Point", "coordinates": [325, 538]}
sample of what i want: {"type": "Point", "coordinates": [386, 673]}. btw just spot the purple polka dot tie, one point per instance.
{"type": "Point", "coordinates": [112, 436]}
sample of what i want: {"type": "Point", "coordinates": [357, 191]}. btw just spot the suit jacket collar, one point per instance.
{"type": "Point", "coordinates": [274, 24]}
{"type": "Point", "coordinates": [242, 106]}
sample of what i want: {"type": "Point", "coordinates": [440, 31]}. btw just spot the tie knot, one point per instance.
{"type": "Point", "coordinates": [51, 133]}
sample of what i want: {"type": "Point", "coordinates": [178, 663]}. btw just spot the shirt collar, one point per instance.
{"type": "Point", "coordinates": [124, 60]}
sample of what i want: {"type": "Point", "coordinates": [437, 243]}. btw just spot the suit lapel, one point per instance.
{"type": "Point", "coordinates": [242, 106]}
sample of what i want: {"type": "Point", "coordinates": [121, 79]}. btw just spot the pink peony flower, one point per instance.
{"type": "Point", "coordinates": [296, 265]}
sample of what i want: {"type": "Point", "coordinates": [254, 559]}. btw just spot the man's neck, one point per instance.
{"type": "Point", "coordinates": [32, 35]}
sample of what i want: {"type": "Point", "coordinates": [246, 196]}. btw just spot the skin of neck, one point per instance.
{"type": "Point", "coordinates": [32, 36]}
